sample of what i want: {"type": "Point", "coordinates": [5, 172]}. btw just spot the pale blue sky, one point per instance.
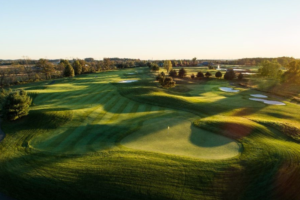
{"type": "Point", "coordinates": [146, 29]}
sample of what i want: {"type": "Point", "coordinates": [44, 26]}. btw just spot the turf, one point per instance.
{"type": "Point", "coordinates": [178, 136]}
{"type": "Point", "coordinates": [95, 138]}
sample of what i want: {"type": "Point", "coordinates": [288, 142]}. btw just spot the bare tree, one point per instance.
{"type": "Point", "coordinates": [27, 67]}
{"type": "Point", "coordinates": [3, 75]}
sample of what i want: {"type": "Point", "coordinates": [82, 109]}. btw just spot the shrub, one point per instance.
{"type": "Point", "coordinates": [229, 75]}
{"type": "Point", "coordinates": [207, 74]}
{"type": "Point", "coordinates": [218, 74]}
{"type": "Point", "coordinates": [200, 75]}
{"type": "Point", "coordinates": [182, 73]}
{"type": "Point", "coordinates": [192, 76]}
{"type": "Point", "coordinates": [16, 105]}
{"type": "Point", "coordinates": [173, 73]}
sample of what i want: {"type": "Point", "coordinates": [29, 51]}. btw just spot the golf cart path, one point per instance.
{"type": "Point", "coordinates": [2, 136]}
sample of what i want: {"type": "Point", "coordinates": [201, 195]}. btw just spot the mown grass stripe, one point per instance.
{"type": "Point", "coordinates": [78, 141]}
{"type": "Point", "coordinates": [56, 141]}
{"type": "Point", "coordinates": [87, 100]}
{"type": "Point", "coordinates": [87, 94]}
{"type": "Point", "coordinates": [111, 134]}
{"type": "Point", "coordinates": [72, 93]}
{"type": "Point", "coordinates": [65, 145]}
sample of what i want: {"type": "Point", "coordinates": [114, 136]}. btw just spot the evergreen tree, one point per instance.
{"type": "Point", "coordinates": [16, 105]}
{"type": "Point", "coordinates": [69, 71]}
{"type": "Point", "coordinates": [173, 73]}
{"type": "Point", "coordinates": [218, 74]}
{"type": "Point", "coordinates": [200, 75]}
{"type": "Point", "coordinates": [229, 75]}
{"type": "Point", "coordinates": [207, 74]}
{"type": "Point", "coordinates": [182, 73]}
{"type": "Point", "coordinates": [154, 67]}
{"type": "Point", "coordinates": [77, 67]}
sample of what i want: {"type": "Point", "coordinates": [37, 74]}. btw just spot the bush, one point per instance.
{"type": "Point", "coordinates": [182, 73]}
{"type": "Point", "coordinates": [229, 75]}
{"type": "Point", "coordinates": [200, 75]}
{"type": "Point", "coordinates": [207, 74]}
{"type": "Point", "coordinates": [240, 76]}
{"type": "Point", "coordinates": [16, 105]}
{"type": "Point", "coordinates": [218, 74]}
{"type": "Point", "coordinates": [173, 73]}
{"type": "Point", "coordinates": [192, 76]}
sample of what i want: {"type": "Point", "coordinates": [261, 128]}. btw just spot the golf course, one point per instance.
{"type": "Point", "coordinates": [119, 135]}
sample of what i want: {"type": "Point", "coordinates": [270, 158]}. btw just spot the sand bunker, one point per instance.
{"type": "Point", "coordinates": [268, 101]}
{"type": "Point", "coordinates": [259, 95]}
{"type": "Point", "coordinates": [227, 89]}
{"type": "Point", "coordinates": [128, 81]}
{"type": "Point", "coordinates": [178, 136]}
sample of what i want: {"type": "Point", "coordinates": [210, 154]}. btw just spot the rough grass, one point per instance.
{"type": "Point", "coordinates": [70, 146]}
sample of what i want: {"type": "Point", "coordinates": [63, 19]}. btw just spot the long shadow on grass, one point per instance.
{"type": "Point", "coordinates": [142, 92]}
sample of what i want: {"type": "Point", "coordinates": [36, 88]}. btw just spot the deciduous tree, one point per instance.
{"type": "Point", "coordinates": [182, 73]}
{"type": "Point", "coordinates": [200, 75]}
{"type": "Point", "coordinates": [168, 65]}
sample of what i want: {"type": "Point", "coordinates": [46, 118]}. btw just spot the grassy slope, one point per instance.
{"type": "Point", "coordinates": [181, 138]}
{"type": "Point", "coordinates": [59, 168]}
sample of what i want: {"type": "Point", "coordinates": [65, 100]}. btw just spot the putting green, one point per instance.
{"type": "Point", "coordinates": [178, 136]}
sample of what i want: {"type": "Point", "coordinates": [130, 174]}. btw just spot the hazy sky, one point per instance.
{"type": "Point", "coordinates": [146, 29]}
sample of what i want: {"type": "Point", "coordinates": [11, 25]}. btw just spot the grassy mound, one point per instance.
{"type": "Point", "coordinates": [178, 136]}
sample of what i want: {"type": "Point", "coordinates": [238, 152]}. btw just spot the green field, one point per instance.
{"type": "Point", "coordinates": [91, 137]}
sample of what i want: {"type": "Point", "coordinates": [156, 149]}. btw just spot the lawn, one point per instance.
{"type": "Point", "coordinates": [94, 136]}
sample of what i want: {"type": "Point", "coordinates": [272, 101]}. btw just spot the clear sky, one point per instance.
{"type": "Point", "coordinates": [149, 29]}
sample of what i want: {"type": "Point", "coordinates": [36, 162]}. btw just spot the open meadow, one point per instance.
{"type": "Point", "coordinates": [102, 136]}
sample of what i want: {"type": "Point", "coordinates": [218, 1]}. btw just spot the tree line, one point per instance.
{"type": "Point", "coordinates": [31, 71]}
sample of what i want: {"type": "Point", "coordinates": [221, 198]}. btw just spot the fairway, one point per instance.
{"type": "Point", "coordinates": [118, 135]}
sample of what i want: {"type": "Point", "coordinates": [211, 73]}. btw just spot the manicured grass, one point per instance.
{"type": "Point", "coordinates": [178, 136]}
{"type": "Point", "coordinates": [95, 138]}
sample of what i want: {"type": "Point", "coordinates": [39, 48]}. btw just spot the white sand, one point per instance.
{"type": "Point", "coordinates": [227, 89]}
{"type": "Point", "coordinates": [268, 101]}
{"type": "Point", "coordinates": [128, 81]}
{"type": "Point", "coordinates": [238, 70]}
{"type": "Point", "coordinates": [259, 95]}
